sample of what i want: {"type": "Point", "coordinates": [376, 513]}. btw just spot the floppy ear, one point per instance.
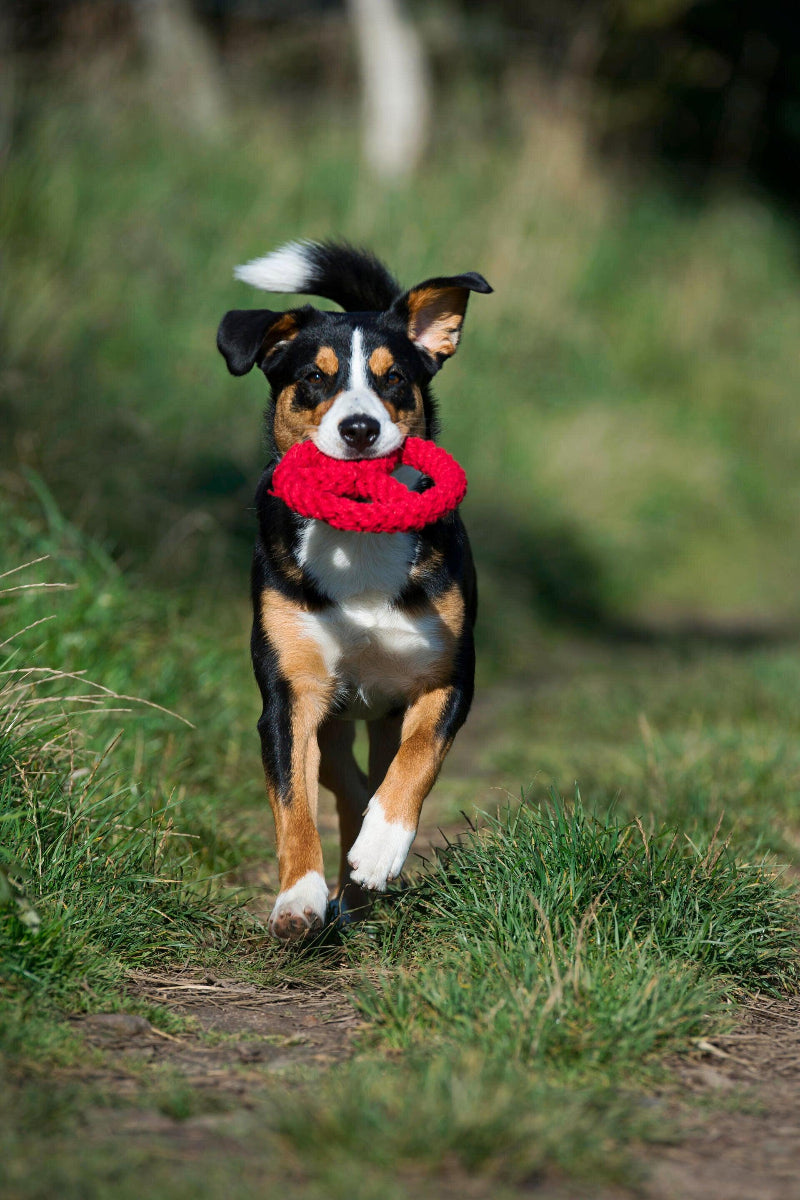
{"type": "Point", "coordinates": [434, 312]}
{"type": "Point", "coordinates": [250, 335]}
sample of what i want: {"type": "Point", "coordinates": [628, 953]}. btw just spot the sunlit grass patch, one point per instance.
{"type": "Point", "coordinates": [553, 936]}
{"type": "Point", "coordinates": [523, 992]}
{"type": "Point", "coordinates": [623, 403]}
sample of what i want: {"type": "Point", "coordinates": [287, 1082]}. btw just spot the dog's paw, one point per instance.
{"type": "Point", "coordinates": [379, 851]}
{"type": "Point", "coordinates": [300, 910]}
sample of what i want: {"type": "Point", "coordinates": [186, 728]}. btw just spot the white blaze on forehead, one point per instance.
{"type": "Point", "coordinates": [358, 399]}
{"type": "Point", "coordinates": [358, 366]}
{"type": "Point", "coordinates": [287, 269]}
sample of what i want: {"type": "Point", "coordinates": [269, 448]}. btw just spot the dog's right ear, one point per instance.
{"type": "Point", "coordinates": [247, 336]}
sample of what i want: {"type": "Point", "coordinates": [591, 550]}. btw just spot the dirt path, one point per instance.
{"type": "Point", "coordinates": [748, 1146]}
{"type": "Point", "coordinates": [734, 1102]}
{"type": "Point", "coordinates": [232, 1026]}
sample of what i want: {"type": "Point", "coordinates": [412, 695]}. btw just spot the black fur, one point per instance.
{"type": "Point", "coordinates": [354, 279]}
{"type": "Point", "coordinates": [286, 347]}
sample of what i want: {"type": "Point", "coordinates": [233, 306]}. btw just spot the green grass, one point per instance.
{"type": "Point", "coordinates": [595, 924]}
{"type": "Point", "coordinates": [520, 998]}
{"type": "Point", "coordinates": [95, 877]}
{"type": "Point", "coordinates": [528, 986]}
{"type": "Point", "coordinates": [690, 734]}
{"type": "Point", "coordinates": [624, 405]}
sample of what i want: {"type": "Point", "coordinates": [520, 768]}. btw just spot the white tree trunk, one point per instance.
{"type": "Point", "coordinates": [395, 88]}
{"type": "Point", "coordinates": [184, 74]}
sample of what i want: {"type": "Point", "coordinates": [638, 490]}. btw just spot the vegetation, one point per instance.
{"type": "Point", "coordinates": [624, 409]}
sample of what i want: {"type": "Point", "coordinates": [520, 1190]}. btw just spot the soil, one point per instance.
{"type": "Point", "coordinates": [731, 1111]}
{"type": "Point", "coordinates": [745, 1143]}
{"type": "Point", "coordinates": [732, 1107]}
{"type": "Point", "coordinates": [275, 1030]}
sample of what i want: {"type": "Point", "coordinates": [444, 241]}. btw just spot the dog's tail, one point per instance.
{"type": "Point", "coordinates": [353, 278]}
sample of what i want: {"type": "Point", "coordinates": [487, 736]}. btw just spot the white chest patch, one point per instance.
{"type": "Point", "coordinates": [376, 653]}
{"type": "Point", "coordinates": [348, 564]}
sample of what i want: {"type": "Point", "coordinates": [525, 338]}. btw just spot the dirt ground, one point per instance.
{"type": "Point", "coordinates": [735, 1102]}
{"type": "Point", "coordinates": [746, 1144]}
{"type": "Point", "coordinates": [732, 1106]}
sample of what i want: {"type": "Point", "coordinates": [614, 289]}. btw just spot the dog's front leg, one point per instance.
{"type": "Point", "coordinates": [392, 815]}
{"type": "Point", "coordinates": [290, 753]}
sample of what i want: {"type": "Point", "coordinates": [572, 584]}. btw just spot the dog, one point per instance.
{"type": "Point", "coordinates": [347, 626]}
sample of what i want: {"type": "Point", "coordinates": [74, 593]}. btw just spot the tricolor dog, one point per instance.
{"type": "Point", "coordinates": [348, 626]}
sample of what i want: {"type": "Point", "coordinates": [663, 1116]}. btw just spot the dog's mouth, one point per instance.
{"type": "Point", "coordinates": [345, 453]}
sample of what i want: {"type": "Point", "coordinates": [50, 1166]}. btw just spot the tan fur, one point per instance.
{"type": "Point", "coordinates": [381, 360]}
{"type": "Point", "coordinates": [435, 318]}
{"type": "Point", "coordinates": [412, 773]}
{"type": "Point", "coordinates": [301, 662]}
{"type": "Point", "coordinates": [283, 330]}
{"type": "Point", "coordinates": [450, 607]}
{"type": "Point", "coordinates": [327, 360]}
{"type": "Point", "coordinates": [410, 424]}
{"type": "Point", "coordinates": [426, 565]}
{"type": "Point", "coordinates": [295, 424]}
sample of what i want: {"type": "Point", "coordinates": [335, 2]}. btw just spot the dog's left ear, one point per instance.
{"type": "Point", "coordinates": [247, 336]}
{"type": "Point", "coordinates": [434, 313]}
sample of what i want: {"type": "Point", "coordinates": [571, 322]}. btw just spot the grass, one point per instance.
{"type": "Point", "coordinates": [531, 982]}
{"type": "Point", "coordinates": [96, 878]}
{"type": "Point", "coordinates": [519, 998]}
{"type": "Point", "coordinates": [640, 465]}
{"type": "Point", "coordinates": [593, 924]}
{"type": "Point", "coordinates": [624, 406]}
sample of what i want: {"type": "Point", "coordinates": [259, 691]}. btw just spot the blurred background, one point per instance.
{"type": "Point", "coordinates": [622, 171]}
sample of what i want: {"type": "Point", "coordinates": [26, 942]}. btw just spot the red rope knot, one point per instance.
{"type": "Point", "coordinates": [360, 495]}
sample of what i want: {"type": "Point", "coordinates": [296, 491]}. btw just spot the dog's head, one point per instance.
{"type": "Point", "coordinates": [356, 383]}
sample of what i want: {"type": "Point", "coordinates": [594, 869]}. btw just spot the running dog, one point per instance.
{"type": "Point", "coordinates": [347, 626]}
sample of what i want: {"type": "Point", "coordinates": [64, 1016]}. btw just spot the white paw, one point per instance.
{"type": "Point", "coordinates": [380, 849]}
{"type": "Point", "coordinates": [300, 909]}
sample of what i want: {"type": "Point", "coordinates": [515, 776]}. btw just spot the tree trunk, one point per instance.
{"type": "Point", "coordinates": [184, 74]}
{"type": "Point", "coordinates": [395, 89]}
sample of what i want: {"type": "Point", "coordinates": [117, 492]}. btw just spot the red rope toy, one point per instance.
{"type": "Point", "coordinates": [334, 489]}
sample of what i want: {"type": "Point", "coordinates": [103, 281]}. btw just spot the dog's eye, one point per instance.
{"type": "Point", "coordinates": [394, 376]}
{"type": "Point", "coordinates": [313, 376]}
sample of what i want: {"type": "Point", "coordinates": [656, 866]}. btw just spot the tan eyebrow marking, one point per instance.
{"type": "Point", "coordinates": [326, 360]}
{"type": "Point", "coordinates": [381, 360]}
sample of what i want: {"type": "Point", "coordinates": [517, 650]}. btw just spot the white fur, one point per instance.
{"type": "Point", "coordinates": [358, 398]}
{"type": "Point", "coordinates": [343, 564]}
{"type": "Point", "coordinates": [381, 848]}
{"type": "Point", "coordinates": [310, 891]}
{"type": "Point", "coordinates": [376, 652]}
{"type": "Point", "coordinates": [286, 269]}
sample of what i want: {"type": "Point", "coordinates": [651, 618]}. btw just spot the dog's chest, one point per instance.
{"type": "Point", "coordinates": [377, 653]}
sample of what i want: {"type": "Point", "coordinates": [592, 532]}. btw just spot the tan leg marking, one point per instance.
{"type": "Point", "coordinates": [413, 770]}
{"type": "Point", "coordinates": [298, 844]}
{"type": "Point", "coordinates": [384, 740]}
{"type": "Point", "coordinates": [392, 816]}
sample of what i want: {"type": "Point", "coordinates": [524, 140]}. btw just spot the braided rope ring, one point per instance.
{"type": "Point", "coordinates": [334, 490]}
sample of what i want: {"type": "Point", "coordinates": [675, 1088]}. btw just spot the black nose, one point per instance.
{"type": "Point", "coordinates": [359, 431]}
